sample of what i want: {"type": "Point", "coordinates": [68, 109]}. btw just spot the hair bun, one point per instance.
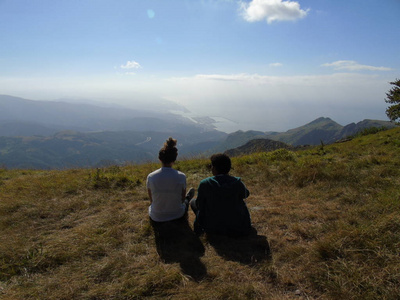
{"type": "Point", "coordinates": [169, 152]}
{"type": "Point", "coordinates": [170, 143]}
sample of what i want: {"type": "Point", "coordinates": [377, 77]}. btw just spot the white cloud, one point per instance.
{"type": "Point", "coordinates": [275, 65]}
{"type": "Point", "coordinates": [131, 64]}
{"type": "Point", "coordinates": [351, 65]}
{"type": "Point", "coordinates": [222, 77]}
{"type": "Point", "coordinates": [272, 10]}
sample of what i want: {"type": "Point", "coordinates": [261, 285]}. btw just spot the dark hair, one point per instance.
{"type": "Point", "coordinates": [221, 162]}
{"type": "Point", "coordinates": [168, 152]}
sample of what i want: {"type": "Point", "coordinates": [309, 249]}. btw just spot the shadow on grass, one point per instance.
{"type": "Point", "coordinates": [176, 242]}
{"type": "Point", "coordinates": [248, 250]}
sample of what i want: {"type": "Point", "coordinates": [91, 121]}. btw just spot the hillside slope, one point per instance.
{"type": "Point", "coordinates": [327, 222]}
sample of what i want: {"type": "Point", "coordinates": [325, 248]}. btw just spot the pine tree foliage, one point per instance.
{"type": "Point", "coordinates": [393, 97]}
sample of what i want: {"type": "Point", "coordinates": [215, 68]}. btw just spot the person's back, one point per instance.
{"type": "Point", "coordinates": [219, 206]}
{"type": "Point", "coordinates": [167, 187]}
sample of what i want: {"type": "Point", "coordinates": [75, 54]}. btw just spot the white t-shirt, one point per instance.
{"type": "Point", "coordinates": [166, 186]}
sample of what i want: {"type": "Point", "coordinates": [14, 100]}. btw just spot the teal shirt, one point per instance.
{"type": "Point", "coordinates": [221, 208]}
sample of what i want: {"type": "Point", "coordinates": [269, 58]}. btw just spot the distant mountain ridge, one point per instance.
{"type": "Point", "coordinates": [237, 139]}
{"type": "Point", "coordinates": [46, 135]}
{"type": "Point", "coordinates": [312, 133]}
{"type": "Point", "coordinates": [325, 130]}
{"type": "Point", "coordinates": [320, 130]}
{"type": "Point", "coordinates": [42, 117]}
{"type": "Point", "coordinates": [72, 149]}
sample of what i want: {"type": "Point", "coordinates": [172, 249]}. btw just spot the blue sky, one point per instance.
{"type": "Point", "coordinates": [261, 64]}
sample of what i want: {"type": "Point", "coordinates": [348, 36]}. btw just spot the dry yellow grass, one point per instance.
{"type": "Point", "coordinates": [327, 222]}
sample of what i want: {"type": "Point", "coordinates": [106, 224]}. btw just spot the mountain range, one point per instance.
{"type": "Point", "coordinates": [25, 117]}
{"type": "Point", "coordinates": [53, 134]}
{"type": "Point", "coordinates": [322, 130]}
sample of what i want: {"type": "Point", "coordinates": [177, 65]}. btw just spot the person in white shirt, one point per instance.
{"type": "Point", "coordinates": [167, 187]}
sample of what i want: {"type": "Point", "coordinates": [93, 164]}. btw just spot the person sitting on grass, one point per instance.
{"type": "Point", "coordinates": [220, 206]}
{"type": "Point", "coordinates": [167, 187]}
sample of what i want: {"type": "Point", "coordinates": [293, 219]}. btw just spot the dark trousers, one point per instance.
{"type": "Point", "coordinates": [193, 205]}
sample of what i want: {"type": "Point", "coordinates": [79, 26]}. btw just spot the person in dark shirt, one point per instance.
{"type": "Point", "coordinates": [220, 206]}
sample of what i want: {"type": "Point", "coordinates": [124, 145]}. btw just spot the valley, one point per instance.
{"type": "Point", "coordinates": [59, 135]}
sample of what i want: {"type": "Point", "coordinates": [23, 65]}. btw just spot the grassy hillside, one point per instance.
{"type": "Point", "coordinates": [327, 221]}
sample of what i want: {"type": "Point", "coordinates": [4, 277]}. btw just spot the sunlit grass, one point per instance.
{"type": "Point", "coordinates": [328, 216]}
